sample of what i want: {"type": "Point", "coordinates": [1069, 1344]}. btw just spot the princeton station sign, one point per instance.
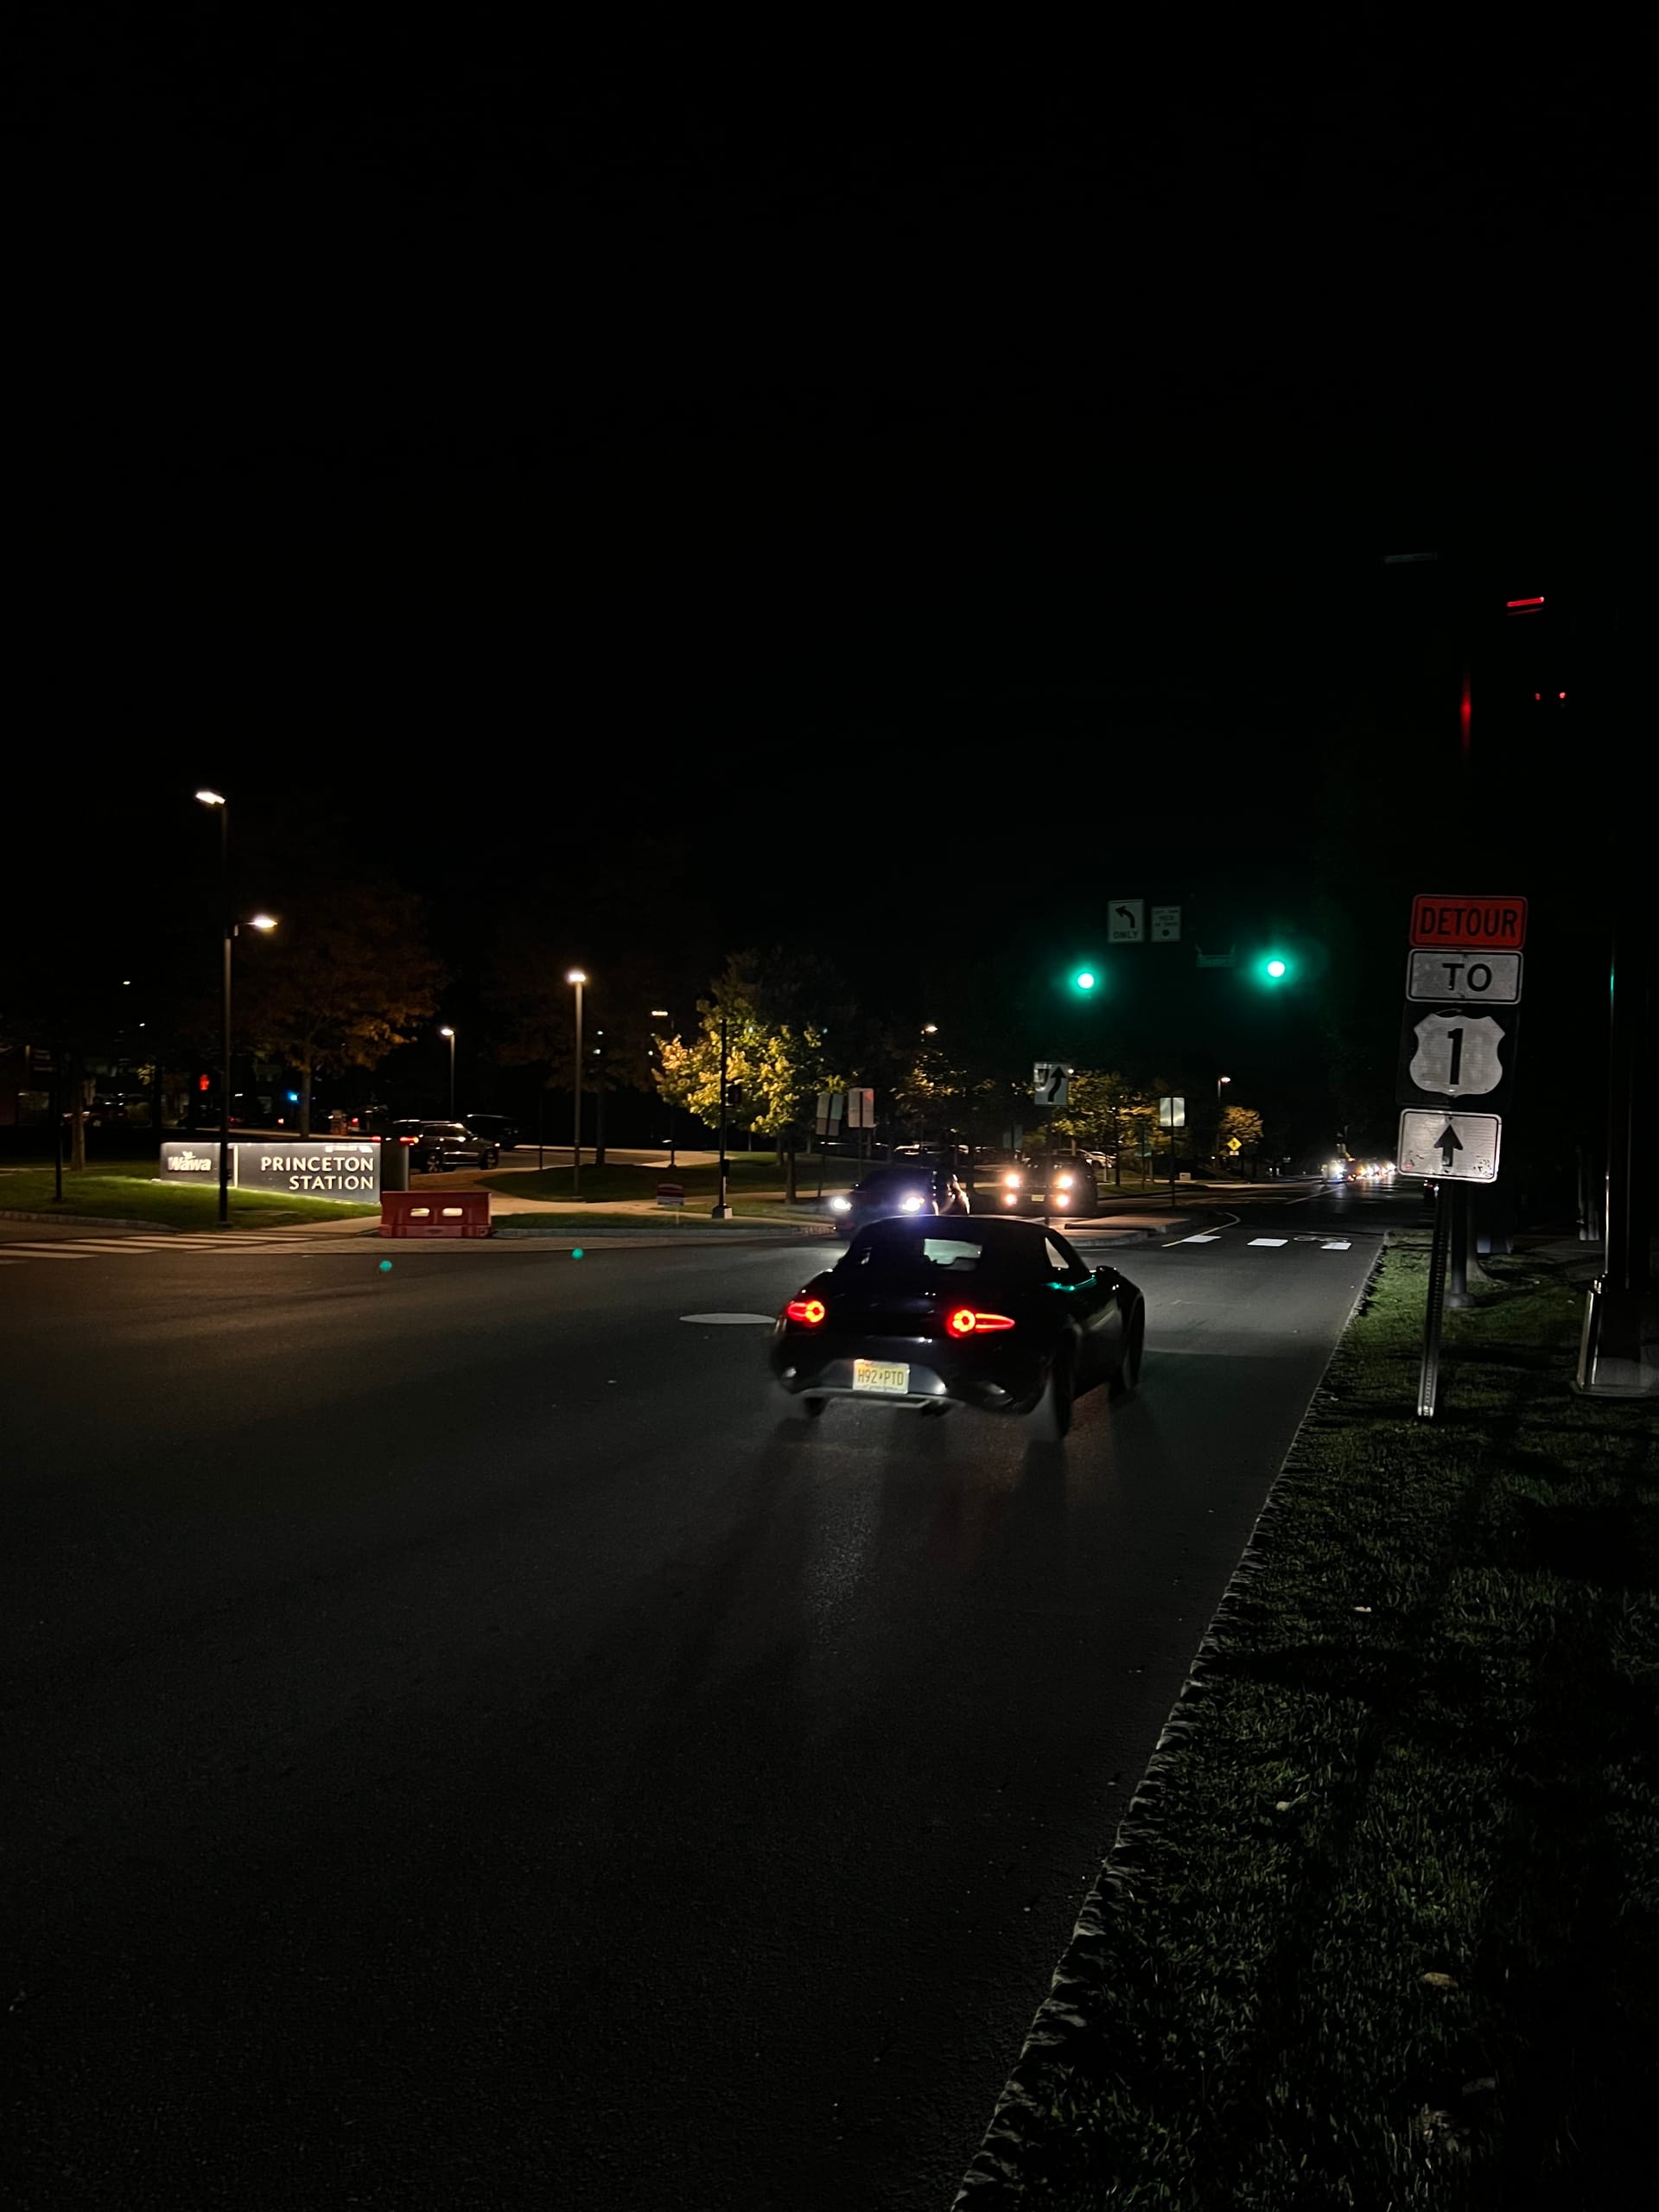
{"type": "Point", "coordinates": [313, 1167]}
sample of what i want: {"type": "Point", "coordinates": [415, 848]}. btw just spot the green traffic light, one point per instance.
{"type": "Point", "coordinates": [1275, 968]}
{"type": "Point", "coordinates": [1083, 980]}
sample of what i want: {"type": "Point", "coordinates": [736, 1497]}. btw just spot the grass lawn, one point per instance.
{"type": "Point", "coordinates": [1384, 1928]}
{"type": "Point", "coordinates": [749, 1174]}
{"type": "Point", "coordinates": [129, 1192]}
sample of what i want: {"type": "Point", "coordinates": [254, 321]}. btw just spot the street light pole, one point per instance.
{"type": "Point", "coordinates": [450, 1034]}
{"type": "Point", "coordinates": [227, 931]}
{"type": "Point", "coordinates": [722, 1209]}
{"type": "Point", "coordinates": [660, 1014]}
{"type": "Point", "coordinates": [578, 976]}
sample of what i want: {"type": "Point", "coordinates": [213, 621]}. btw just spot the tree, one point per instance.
{"type": "Point", "coordinates": [777, 1010]}
{"type": "Point", "coordinates": [346, 979]}
{"type": "Point", "coordinates": [534, 1002]}
{"type": "Point", "coordinates": [1241, 1130]}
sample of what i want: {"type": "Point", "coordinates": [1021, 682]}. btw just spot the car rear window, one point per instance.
{"type": "Point", "coordinates": [908, 1252]}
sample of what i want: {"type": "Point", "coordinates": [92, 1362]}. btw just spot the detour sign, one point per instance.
{"type": "Point", "coordinates": [1470, 925]}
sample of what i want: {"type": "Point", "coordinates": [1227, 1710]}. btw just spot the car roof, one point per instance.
{"type": "Point", "coordinates": [900, 1171]}
{"type": "Point", "coordinates": [995, 1234]}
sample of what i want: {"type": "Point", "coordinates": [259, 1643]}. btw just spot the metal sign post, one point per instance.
{"type": "Point", "coordinates": [1428, 1379]}
{"type": "Point", "coordinates": [1465, 958]}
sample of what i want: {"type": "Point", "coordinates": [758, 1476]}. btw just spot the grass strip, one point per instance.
{"type": "Point", "coordinates": [132, 1194]}
{"type": "Point", "coordinates": [1382, 1926]}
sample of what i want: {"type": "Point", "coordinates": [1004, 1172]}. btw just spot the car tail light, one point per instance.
{"type": "Point", "coordinates": [809, 1312]}
{"type": "Point", "coordinates": [965, 1322]}
{"type": "Point", "coordinates": [409, 1139]}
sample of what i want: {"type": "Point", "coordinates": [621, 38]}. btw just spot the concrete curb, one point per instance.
{"type": "Point", "coordinates": [93, 1220]}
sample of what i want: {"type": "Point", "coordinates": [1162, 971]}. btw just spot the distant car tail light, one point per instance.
{"type": "Point", "coordinates": [409, 1139]}
{"type": "Point", "coordinates": [809, 1312]}
{"type": "Point", "coordinates": [965, 1322]}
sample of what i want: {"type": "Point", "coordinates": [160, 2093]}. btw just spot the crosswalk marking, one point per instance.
{"type": "Point", "coordinates": [1269, 1240]}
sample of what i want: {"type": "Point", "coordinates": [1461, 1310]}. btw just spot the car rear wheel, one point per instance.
{"type": "Point", "coordinates": [1129, 1374]}
{"type": "Point", "coordinates": [1050, 1417]}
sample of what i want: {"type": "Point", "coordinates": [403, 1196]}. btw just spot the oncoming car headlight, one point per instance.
{"type": "Point", "coordinates": [911, 1205]}
{"type": "Point", "coordinates": [841, 1206]}
{"type": "Point", "coordinates": [1063, 1182]}
{"type": "Point", "coordinates": [1011, 1180]}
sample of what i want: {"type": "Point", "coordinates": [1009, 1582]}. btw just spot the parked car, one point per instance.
{"type": "Point", "coordinates": [498, 1127]}
{"type": "Point", "coordinates": [438, 1145]}
{"type": "Point", "coordinates": [1002, 1315]}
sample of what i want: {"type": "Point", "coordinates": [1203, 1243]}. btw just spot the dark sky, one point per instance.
{"type": "Point", "coordinates": [528, 446]}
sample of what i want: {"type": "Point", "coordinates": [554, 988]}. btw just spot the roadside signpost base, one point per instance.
{"type": "Point", "coordinates": [1618, 1352]}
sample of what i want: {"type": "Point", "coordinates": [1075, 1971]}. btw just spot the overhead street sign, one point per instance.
{"type": "Point", "coordinates": [1165, 924]}
{"type": "Point", "coordinates": [1451, 1148]}
{"type": "Point", "coordinates": [1126, 921]}
{"type": "Point", "coordinates": [1490, 978]}
{"type": "Point", "coordinates": [1051, 1082]}
{"type": "Point", "coordinates": [1453, 1053]}
{"type": "Point", "coordinates": [1465, 923]}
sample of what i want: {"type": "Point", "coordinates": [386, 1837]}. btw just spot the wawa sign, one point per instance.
{"type": "Point", "coordinates": [317, 1167]}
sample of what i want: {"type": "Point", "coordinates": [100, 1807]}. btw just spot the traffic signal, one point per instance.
{"type": "Point", "coordinates": [1272, 968]}
{"type": "Point", "coordinates": [1084, 980]}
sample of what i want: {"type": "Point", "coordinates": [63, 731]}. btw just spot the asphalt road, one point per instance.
{"type": "Point", "coordinates": [468, 1747]}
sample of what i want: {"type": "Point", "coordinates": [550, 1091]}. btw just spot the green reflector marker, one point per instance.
{"type": "Point", "coordinates": [385, 1266]}
{"type": "Point", "coordinates": [576, 1255]}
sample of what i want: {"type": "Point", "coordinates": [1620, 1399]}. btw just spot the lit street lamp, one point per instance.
{"type": "Point", "coordinates": [450, 1034]}
{"type": "Point", "coordinates": [228, 925]}
{"type": "Point", "coordinates": [1220, 1079]}
{"type": "Point", "coordinates": [661, 1014]}
{"type": "Point", "coordinates": [578, 976]}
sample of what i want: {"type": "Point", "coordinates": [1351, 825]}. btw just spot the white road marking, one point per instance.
{"type": "Point", "coordinates": [731, 1320]}
{"type": "Point", "coordinates": [1337, 1244]}
{"type": "Point", "coordinates": [1206, 1237]}
{"type": "Point", "coordinates": [49, 1252]}
{"type": "Point", "coordinates": [1269, 1240]}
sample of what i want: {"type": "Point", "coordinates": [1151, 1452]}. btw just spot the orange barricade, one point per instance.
{"type": "Point", "coordinates": [436, 1213]}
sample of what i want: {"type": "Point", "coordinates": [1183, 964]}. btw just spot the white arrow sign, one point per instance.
{"type": "Point", "coordinates": [1126, 921]}
{"type": "Point", "coordinates": [1458, 1054]}
{"type": "Point", "coordinates": [1492, 978]}
{"type": "Point", "coordinates": [1451, 1148]}
{"type": "Point", "coordinates": [1050, 1083]}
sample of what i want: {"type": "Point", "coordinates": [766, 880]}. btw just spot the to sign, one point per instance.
{"type": "Point", "coordinates": [1468, 925]}
{"type": "Point", "coordinates": [1493, 978]}
{"type": "Point", "coordinates": [1051, 1084]}
{"type": "Point", "coordinates": [1452, 1148]}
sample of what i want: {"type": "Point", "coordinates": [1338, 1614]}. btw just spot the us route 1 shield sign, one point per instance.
{"type": "Point", "coordinates": [1450, 1148]}
{"type": "Point", "coordinates": [1453, 1054]}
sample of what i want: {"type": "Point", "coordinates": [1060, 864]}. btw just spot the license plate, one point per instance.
{"type": "Point", "coordinates": [876, 1375]}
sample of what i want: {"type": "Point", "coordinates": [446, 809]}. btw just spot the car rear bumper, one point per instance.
{"type": "Point", "coordinates": [995, 1379]}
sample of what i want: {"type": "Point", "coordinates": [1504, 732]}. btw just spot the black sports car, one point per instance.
{"type": "Point", "coordinates": [976, 1311]}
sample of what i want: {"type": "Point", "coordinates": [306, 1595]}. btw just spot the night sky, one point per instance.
{"type": "Point", "coordinates": [612, 474]}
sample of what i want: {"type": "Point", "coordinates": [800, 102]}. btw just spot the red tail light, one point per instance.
{"type": "Point", "coordinates": [409, 1139]}
{"type": "Point", "coordinates": [809, 1312]}
{"type": "Point", "coordinates": [965, 1322]}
